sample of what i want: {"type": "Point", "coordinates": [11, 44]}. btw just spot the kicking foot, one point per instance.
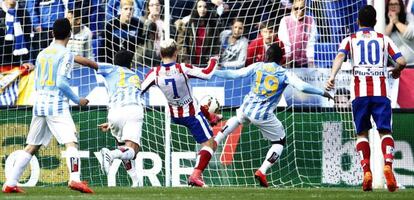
{"type": "Point", "coordinates": [80, 186]}
{"type": "Point", "coordinates": [367, 183]}
{"type": "Point", "coordinates": [390, 178]}
{"type": "Point", "coordinates": [11, 189]}
{"type": "Point", "coordinates": [196, 181]}
{"type": "Point", "coordinates": [261, 178]}
{"type": "Point", "coordinates": [106, 160]}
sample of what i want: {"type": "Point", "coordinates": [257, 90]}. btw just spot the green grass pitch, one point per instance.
{"type": "Point", "coordinates": [214, 193]}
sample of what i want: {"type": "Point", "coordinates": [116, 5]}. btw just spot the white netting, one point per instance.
{"type": "Point", "coordinates": [318, 135]}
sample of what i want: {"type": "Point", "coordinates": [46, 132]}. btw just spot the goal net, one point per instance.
{"type": "Point", "coordinates": [320, 145]}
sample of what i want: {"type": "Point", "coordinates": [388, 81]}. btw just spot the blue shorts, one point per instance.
{"type": "Point", "coordinates": [198, 125]}
{"type": "Point", "coordinates": [377, 107]}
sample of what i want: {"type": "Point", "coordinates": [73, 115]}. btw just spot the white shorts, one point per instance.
{"type": "Point", "coordinates": [43, 127]}
{"type": "Point", "coordinates": [126, 123]}
{"type": "Point", "coordinates": [271, 128]}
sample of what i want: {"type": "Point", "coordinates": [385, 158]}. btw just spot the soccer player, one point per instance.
{"type": "Point", "coordinates": [125, 110]}
{"type": "Point", "coordinates": [270, 80]}
{"type": "Point", "coordinates": [369, 52]}
{"type": "Point", "coordinates": [51, 114]}
{"type": "Point", "coordinates": [172, 79]}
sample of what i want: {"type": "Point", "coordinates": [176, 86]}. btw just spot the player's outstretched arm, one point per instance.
{"type": "Point", "coordinates": [148, 81]}
{"type": "Point", "coordinates": [339, 59]}
{"type": "Point", "coordinates": [301, 85]}
{"type": "Point", "coordinates": [233, 74]}
{"type": "Point", "coordinates": [62, 83]}
{"type": "Point", "coordinates": [202, 73]}
{"type": "Point", "coordinates": [86, 62]}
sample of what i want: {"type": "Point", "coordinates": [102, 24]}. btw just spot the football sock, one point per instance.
{"type": "Point", "coordinates": [387, 146]}
{"type": "Point", "coordinates": [203, 158]}
{"type": "Point", "coordinates": [271, 157]}
{"type": "Point", "coordinates": [231, 124]}
{"type": "Point", "coordinates": [123, 153]}
{"type": "Point", "coordinates": [130, 168]}
{"type": "Point", "coordinates": [22, 159]}
{"type": "Point", "coordinates": [73, 163]}
{"type": "Point", "coordinates": [362, 147]}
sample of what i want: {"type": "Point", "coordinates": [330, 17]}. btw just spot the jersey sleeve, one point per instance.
{"type": "Point", "coordinates": [65, 67]}
{"type": "Point", "coordinates": [148, 81]}
{"type": "Point", "coordinates": [392, 49]}
{"type": "Point", "coordinates": [233, 74]}
{"type": "Point", "coordinates": [345, 46]}
{"type": "Point", "coordinates": [299, 84]}
{"type": "Point", "coordinates": [203, 73]}
{"type": "Point", "coordinates": [105, 68]}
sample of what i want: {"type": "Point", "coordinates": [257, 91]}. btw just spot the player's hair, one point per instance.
{"type": "Point", "coordinates": [274, 54]}
{"type": "Point", "coordinates": [61, 29]}
{"type": "Point", "coordinates": [123, 58]}
{"type": "Point", "coordinates": [126, 3]}
{"type": "Point", "coordinates": [367, 16]}
{"type": "Point", "coordinates": [168, 48]}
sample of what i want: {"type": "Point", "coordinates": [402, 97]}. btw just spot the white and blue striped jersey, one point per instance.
{"type": "Point", "coordinates": [270, 80]}
{"type": "Point", "coordinates": [52, 73]}
{"type": "Point", "coordinates": [123, 85]}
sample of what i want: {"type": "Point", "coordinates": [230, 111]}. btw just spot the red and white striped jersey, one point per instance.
{"type": "Point", "coordinates": [369, 52]}
{"type": "Point", "coordinates": [172, 79]}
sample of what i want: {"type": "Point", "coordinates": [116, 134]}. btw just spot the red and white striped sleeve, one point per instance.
{"type": "Point", "coordinates": [148, 81]}
{"type": "Point", "coordinates": [345, 46]}
{"type": "Point", "coordinates": [392, 49]}
{"type": "Point", "coordinates": [202, 73]}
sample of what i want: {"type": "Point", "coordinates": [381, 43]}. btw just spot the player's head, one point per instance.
{"type": "Point", "coordinates": [62, 29]}
{"type": "Point", "coordinates": [274, 54]}
{"type": "Point", "coordinates": [367, 16]}
{"type": "Point", "coordinates": [123, 58]}
{"type": "Point", "coordinates": [168, 48]}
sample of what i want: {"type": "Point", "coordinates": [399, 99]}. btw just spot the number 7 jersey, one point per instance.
{"type": "Point", "coordinates": [173, 80]}
{"type": "Point", "coordinates": [369, 52]}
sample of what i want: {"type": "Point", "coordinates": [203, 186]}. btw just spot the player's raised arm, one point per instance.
{"type": "Point", "coordinates": [148, 81]}
{"type": "Point", "coordinates": [86, 62]}
{"type": "Point", "coordinates": [203, 73]}
{"type": "Point", "coordinates": [301, 85]}
{"type": "Point", "coordinates": [239, 73]}
{"type": "Point", "coordinates": [62, 81]}
{"type": "Point", "coordinates": [337, 64]}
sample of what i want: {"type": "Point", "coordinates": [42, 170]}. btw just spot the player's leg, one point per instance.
{"type": "Point", "coordinates": [23, 158]}
{"type": "Point", "coordinates": [382, 116]}
{"type": "Point", "coordinates": [63, 128]}
{"type": "Point", "coordinates": [361, 114]}
{"type": "Point", "coordinates": [230, 126]}
{"type": "Point", "coordinates": [272, 129]}
{"type": "Point", "coordinates": [202, 133]}
{"type": "Point", "coordinates": [38, 134]}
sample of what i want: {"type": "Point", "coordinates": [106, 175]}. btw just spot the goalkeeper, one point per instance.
{"type": "Point", "coordinates": [125, 110]}
{"type": "Point", "coordinates": [270, 80]}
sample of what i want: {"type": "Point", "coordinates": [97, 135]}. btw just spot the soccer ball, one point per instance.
{"type": "Point", "coordinates": [211, 102]}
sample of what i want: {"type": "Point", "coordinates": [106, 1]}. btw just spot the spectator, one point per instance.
{"type": "Point", "coordinates": [122, 32]}
{"type": "Point", "coordinates": [112, 8]}
{"type": "Point", "coordinates": [15, 31]}
{"type": "Point", "coordinates": [298, 33]}
{"type": "Point", "coordinates": [342, 98]}
{"type": "Point", "coordinates": [400, 28]}
{"type": "Point", "coordinates": [80, 42]}
{"type": "Point", "coordinates": [257, 47]}
{"type": "Point", "coordinates": [149, 54]}
{"type": "Point", "coordinates": [234, 46]}
{"type": "Point", "coordinates": [199, 39]}
{"type": "Point", "coordinates": [44, 14]}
